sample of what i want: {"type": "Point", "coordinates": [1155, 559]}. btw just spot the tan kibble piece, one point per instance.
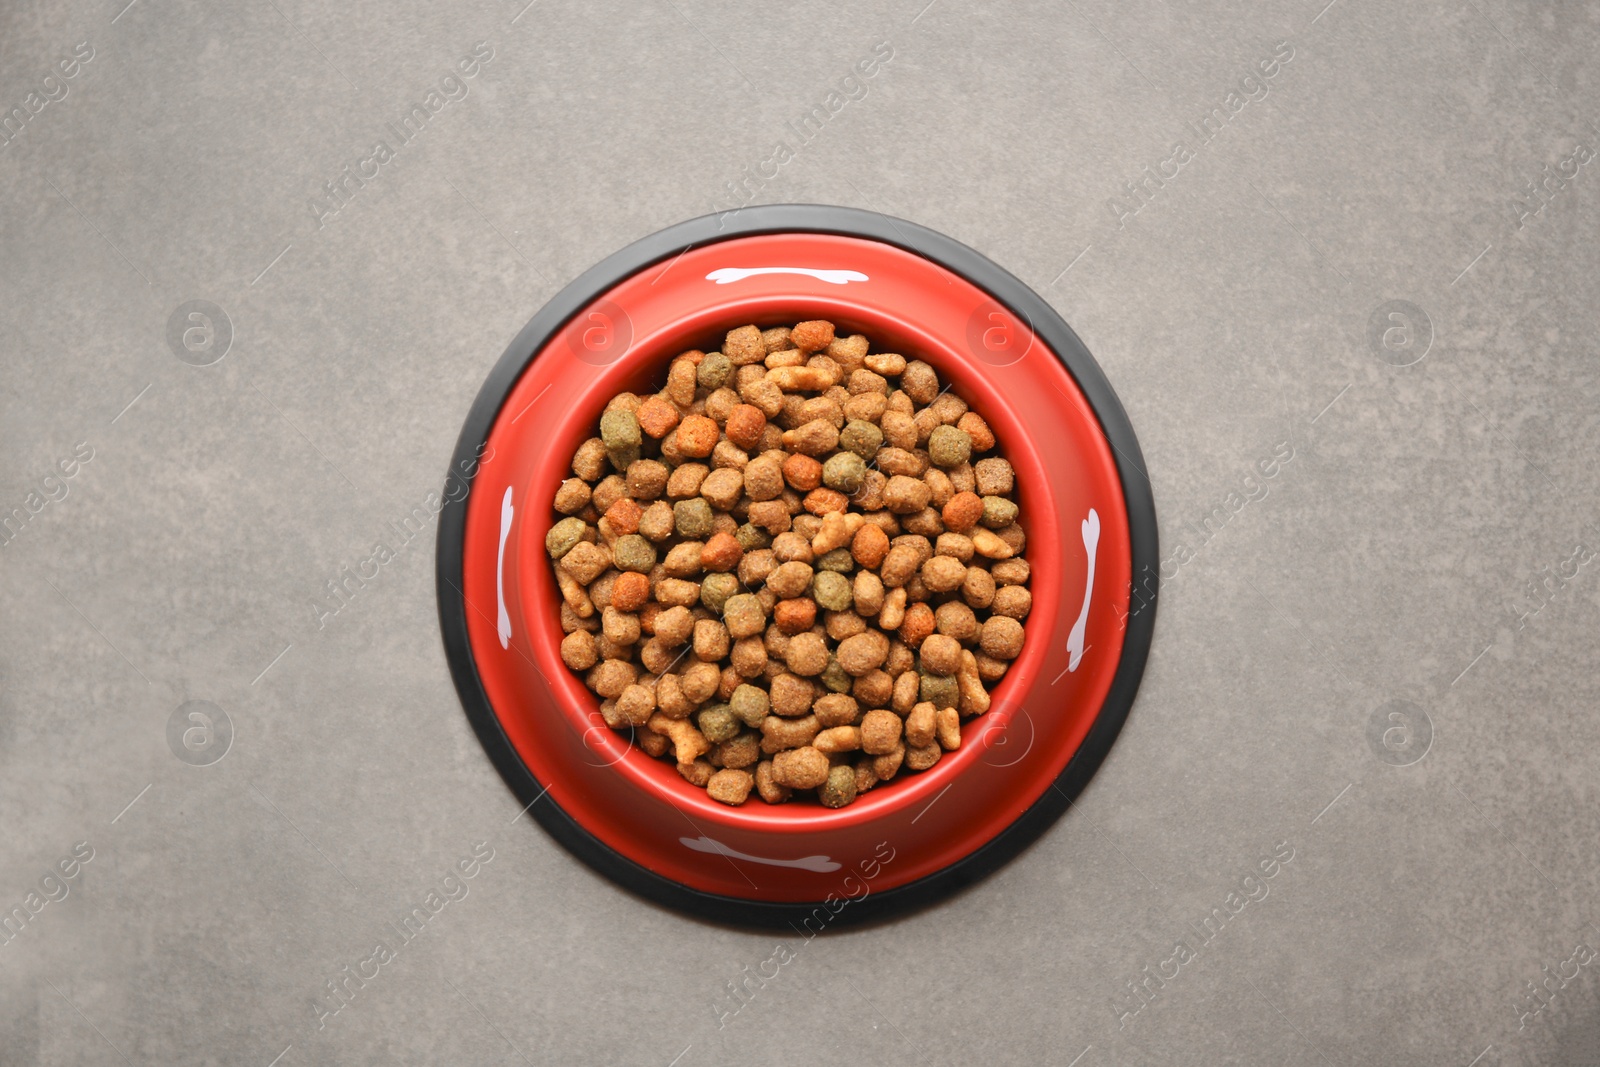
{"type": "Point", "coordinates": [924, 757]}
{"type": "Point", "coordinates": [688, 743]}
{"type": "Point", "coordinates": [894, 610]}
{"type": "Point", "coordinates": [880, 732]}
{"type": "Point", "coordinates": [800, 768]}
{"type": "Point", "coordinates": [907, 687]}
{"type": "Point", "coordinates": [838, 528]}
{"type": "Point", "coordinates": [573, 595]}
{"type": "Point", "coordinates": [838, 739]}
{"type": "Point", "coordinates": [921, 724]}
{"type": "Point", "coordinates": [947, 728]}
{"type": "Point", "coordinates": [988, 543]}
{"type": "Point", "coordinates": [977, 588]}
{"type": "Point", "coordinates": [700, 681]}
{"type": "Point", "coordinates": [803, 379]}
{"type": "Point", "coordinates": [974, 698]}
{"type": "Point", "coordinates": [730, 786]}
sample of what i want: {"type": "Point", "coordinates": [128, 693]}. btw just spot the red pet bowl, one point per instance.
{"type": "Point", "coordinates": [1086, 508]}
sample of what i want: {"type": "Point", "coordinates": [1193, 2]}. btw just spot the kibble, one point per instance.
{"type": "Point", "coordinates": [794, 570]}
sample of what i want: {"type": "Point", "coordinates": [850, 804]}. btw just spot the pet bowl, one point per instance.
{"type": "Point", "coordinates": [1085, 505]}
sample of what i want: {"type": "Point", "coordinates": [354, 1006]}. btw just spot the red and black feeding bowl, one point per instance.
{"type": "Point", "coordinates": [1086, 508]}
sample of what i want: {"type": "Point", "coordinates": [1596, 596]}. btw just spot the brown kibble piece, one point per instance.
{"type": "Point", "coordinates": [800, 768]}
{"type": "Point", "coordinates": [1012, 601]}
{"type": "Point", "coordinates": [1001, 637]}
{"type": "Point", "coordinates": [578, 650]}
{"type": "Point", "coordinates": [880, 732]}
{"type": "Point", "coordinates": [924, 757]}
{"type": "Point", "coordinates": [767, 786]}
{"type": "Point", "coordinates": [790, 695]}
{"type": "Point", "coordinates": [939, 654]}
{"type": "Point", "coordinates": [921, 724]}
{"type": "Point", "coordinates": [947, 729]}
{"type": "Point", "coordinates": [807, 655]}
{"type": "Point", "coordinates": [744, 345]}
{"type": "Point", "coordinates": [730, 786]}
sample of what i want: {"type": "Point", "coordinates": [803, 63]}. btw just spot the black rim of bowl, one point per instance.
{"type": "Point", "coordinates": [1047, 325]}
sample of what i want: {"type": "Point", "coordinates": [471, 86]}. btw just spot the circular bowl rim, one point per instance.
{"type": "Point", "coordinates": [987, 276]}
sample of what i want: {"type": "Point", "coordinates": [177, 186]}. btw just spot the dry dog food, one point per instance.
{"type": "Point", "coordinates": [795, 569]}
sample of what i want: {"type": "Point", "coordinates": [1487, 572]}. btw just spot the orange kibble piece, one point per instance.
{"type": "Point", "coordinates": [630, 591]}
{"type": "Point", "coordinates": [657, 416]}
{"type": "Point", "coordinates": [745, 425]}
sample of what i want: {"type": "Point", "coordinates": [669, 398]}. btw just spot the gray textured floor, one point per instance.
{"type": "Point", "coordinates": [1444, 850]}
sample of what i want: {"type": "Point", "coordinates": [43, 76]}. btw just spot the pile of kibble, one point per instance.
{"type": "Point", "coordinates": [796, 568]}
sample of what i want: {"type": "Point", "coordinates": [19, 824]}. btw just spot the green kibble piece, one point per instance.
{"type": "Point", "coordinates": [949, 447]}
{"type": "Point", "coordinates": [633, 553]}
{"type": "Point", "coordinates": [562, 536]}
{"type": "Point", "coordinates": [861, 437]}
{"type": "Point", "coordinates": [840, 788]}
{"type": "Point", "coordinates": [619, 430]}
{"type": "Point", "coordinates": [941, 690]}
{"type": "Point", "coordinates": [831, 590]}
{"type": "Point", "coordinates": [752, 537]}
{"type": "Point", "coordinates": [716, 589]}
{"type": "Point", "coordinates": [718, 723]}
{"type": "Point", "coordinates": [692, 518]}
{"type": "Point", "coordinates": [835, 678]}
{"type": "Point", "coordinates": [714, 371]}
{"type": "Point", "coordinates": [839, 560]}
{"type": "Point", "coordinates": [998, 512]}
{"type": "Point", "coordinates": [749, 704]}
{"type": "Point", "coordinates": [844, 471]}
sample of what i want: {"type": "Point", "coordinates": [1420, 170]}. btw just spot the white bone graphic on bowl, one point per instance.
{"type": "Point", "coordinates": [1091, 543]}
{"type": "Point", "coordinates": [724, 275]}
{"type": "Point", "coordinates": [506, 512]}
{"type": "Point", "coordinates": [820, 864]}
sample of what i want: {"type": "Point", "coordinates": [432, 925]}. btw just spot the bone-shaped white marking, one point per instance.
{"type": "Point", "coordinates": [724, 275]}
{"type": "Point", "coordinates": [820, 864]}
{"type": "Point", "coordinates": [506, 512]}
{"type": "Point", "coordinates": [1091, 544]}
